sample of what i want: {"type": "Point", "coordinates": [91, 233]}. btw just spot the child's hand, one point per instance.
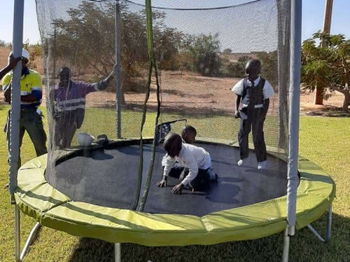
{"type": "Point", "coordinates": [237, 114]}
{"type": "Point", "coordinates": [177, 189]}
{"type": "Point", "coordinates": [162, 183]}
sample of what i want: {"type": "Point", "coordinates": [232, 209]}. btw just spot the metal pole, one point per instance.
{"type": "Point", "coordinates": [17, 42]}
{"type": "Point", "coordinates": [117, 252]}
{"type": "Point", "coordinates": [294, 94]}
{"type": "Point", "coordinates": [15, 115]}
{"type": "Point", "coordinates": [286, 246]}
{"type": "Point", "coordinates": [32, 236]}
{"type": "Point", "coordinates": [313, 230]}
{"type": "Point", "coordinates": [17, 234]}
{"type": "Point", "coordinates": [283, 52]}
{"type": "Point", "coordinates": [329, 224]}
{"type": "Point", "coordinates": [117, 73]}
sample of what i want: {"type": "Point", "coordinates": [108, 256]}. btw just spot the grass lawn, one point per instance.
{"type": "Point", "coordinates": [325, 141]}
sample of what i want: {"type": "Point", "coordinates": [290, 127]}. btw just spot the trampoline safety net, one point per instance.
{"type": "Point", "coordinates": [118, 70]}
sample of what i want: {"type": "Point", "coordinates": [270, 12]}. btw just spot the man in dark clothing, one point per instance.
{"type": "Point", "coordinates": [69, 99]}
{"type": "Point", "coordinates": [252, 103]}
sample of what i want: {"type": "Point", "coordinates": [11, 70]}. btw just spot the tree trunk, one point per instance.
{"type": "Point", "coordinates": [319, 96]}
{"type": "Point", "coordinates": [346, 101]}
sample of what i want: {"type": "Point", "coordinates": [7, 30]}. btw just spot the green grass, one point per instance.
{"type": "Point", "coordinates": [325, 141]}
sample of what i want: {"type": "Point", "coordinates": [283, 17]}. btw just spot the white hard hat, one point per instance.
{"type": "Point", "coordinates": [25, 54]}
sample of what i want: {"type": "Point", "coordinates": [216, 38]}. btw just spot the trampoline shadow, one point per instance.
{"type": "Point", "coordinates": [224, 191]}
{"type": "Point", "coordinates": [98, 155]}
{"type": "Point", "coordinates": [95, 250]}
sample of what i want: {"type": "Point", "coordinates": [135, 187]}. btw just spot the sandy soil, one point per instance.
{"type": "Point", "coordinates": [188, 92]}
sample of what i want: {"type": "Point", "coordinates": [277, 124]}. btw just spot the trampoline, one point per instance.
{"type": "Point", "coordinates": [95, 201]}
{"type": "Point", "coordinates": [170, 61]}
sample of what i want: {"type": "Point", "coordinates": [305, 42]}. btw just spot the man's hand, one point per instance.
{"type": "Point", "coordinates": [177, 189]}
{"type": "Point", "coordinates": [237, 114]}
{"type": "Point", "coordinates": [162, 183]}
{"type": "Point", "coordinates": [12, 61]}
{"type": "Point", "coordinates": [112, 73]}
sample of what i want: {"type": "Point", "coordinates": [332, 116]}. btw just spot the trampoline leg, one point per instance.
{"type": "Point", "coordinates": [117, 252]}
{"type": "Point", "coordinates": [328, 229]}
{"type": "Point", "coordinates": [30, 240]}
{"type": "Point", "coordinates": [285, 256]}
{"type": "Point", "coordinates": [17, 234]}
{"type": "Point", "coordinates": [313, 230]}
{"type": "Point", "coordinates": [329, 224]}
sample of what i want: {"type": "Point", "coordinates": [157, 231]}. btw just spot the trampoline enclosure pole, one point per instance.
{"type": "Point", "coordinates": [293, 133]}
{"type": "Point", "coordinates": [15, 95]}
{"type": "Point", "coordinates": [117, 72]}
{"type": "Point", "coordinates": [17, 42]}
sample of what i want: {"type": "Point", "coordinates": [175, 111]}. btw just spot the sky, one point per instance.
{"type": "Point", "coordinates": [313, 11]}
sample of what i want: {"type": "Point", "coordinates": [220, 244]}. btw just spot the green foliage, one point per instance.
{"type": "Point", "coordinates": [204, 51]}
{"type": "Point", "coordinates": [227, 51]}
{"type": "Point", "coordinates": [236, 69]}
{"type": "Point", "coordinates": [269, 67]}
{"type": "Point", "coordinates": [326, 63]}
{"type": "Point", "coordinates": [86, 41]}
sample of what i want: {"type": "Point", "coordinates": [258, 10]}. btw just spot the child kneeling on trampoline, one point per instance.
{"type": "Point", "coordinates": [196, 159]}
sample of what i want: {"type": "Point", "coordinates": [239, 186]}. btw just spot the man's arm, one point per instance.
{"type": "Point", "coordinates": [103, 84]}
{"type": "Point", "coordinates": [11, 65]}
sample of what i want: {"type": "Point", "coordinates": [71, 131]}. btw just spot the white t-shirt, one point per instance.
{"type": "Point", "coordinates": [190, 156]}
{"type": "Point", "coordinates": [267, 89]}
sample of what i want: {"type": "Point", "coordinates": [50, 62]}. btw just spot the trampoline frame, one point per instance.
{"type": "Point", "coordinates": [295, 37]}
{"type": "Point", "coordinates": [31, 177]}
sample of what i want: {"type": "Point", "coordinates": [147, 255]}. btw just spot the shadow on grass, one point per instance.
{"type": "Point", "coordinates": [329, 111]}
{"type": "Point", "coordinates": [305, 247]}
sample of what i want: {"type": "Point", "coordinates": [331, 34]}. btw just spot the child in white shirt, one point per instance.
{"type": "Point", "coordinates": [195, 158]}
{"type": "Point", "coordinates": [252, 103]}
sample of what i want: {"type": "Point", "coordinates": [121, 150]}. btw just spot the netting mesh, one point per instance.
{"type": "Point", "coordinates": [200, 54]}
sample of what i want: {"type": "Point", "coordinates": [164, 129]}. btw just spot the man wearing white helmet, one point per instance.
{"type": "Point", "coordinates": [31, 94]}
{"type": "Point", "coordinates": [12, 62]}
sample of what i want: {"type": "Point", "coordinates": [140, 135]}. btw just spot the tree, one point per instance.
{"type": "Point", "coordinates": [86, 41]}
{"type": "Point", "coordinates": [204, 50]}
{"type": "Point", "coordinates": [227, 51]}
{"type": "Point", "coordinates": [269, 68]}
{"type": "Point", "coordinates": [327, 65]}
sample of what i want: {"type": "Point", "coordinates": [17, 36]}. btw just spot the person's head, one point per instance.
{"type": "Point", "coordinates": [64, 75]}
{"type": "Point", "coordinates": [189, 134]}
{"type": "Point", "coordinates": [253, 68]}
{"type": "Point", "coordinates": [172, 144]}
{"type": "Point", "coordinates": [25, 57]}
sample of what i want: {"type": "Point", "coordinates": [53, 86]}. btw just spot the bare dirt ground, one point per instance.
{"type": "Point", "coordinates": [191, 93]}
